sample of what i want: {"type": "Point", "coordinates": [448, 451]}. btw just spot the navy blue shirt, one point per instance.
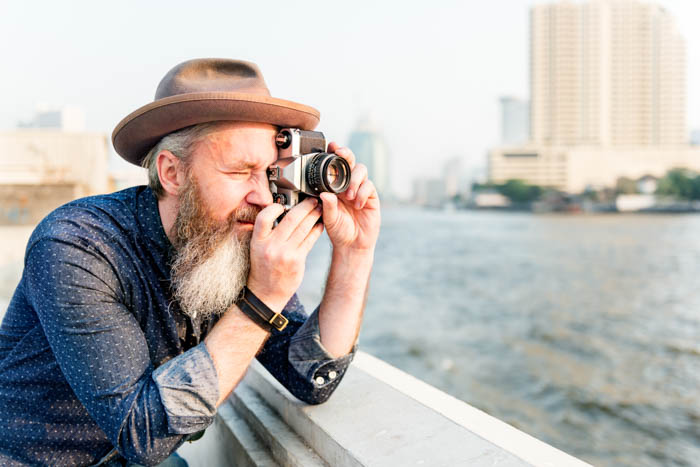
{"type": "Point", "coordinates": [95, 353]}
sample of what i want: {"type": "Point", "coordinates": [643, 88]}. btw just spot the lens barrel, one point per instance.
{"type": "Point", "coordinates": [328, 172]}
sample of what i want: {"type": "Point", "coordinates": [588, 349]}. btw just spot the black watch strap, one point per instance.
{"type": "Point", "coordinates": [259, 312]}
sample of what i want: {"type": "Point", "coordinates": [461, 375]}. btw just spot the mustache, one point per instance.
{"type": "Point", "coordinates": [245, 214]}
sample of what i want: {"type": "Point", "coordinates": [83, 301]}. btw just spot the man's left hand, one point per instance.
{"type": "Point", "coordinates": [352, 218]}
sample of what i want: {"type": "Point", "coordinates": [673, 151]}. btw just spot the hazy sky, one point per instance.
{"type": "Point", "coordinates": [430, 73]}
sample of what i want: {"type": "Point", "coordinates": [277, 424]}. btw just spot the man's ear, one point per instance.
{"type": "Point", "coordinates": [170, 172]}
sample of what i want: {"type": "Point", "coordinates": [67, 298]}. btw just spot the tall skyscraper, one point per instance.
{"type": "Point", "coordinates": [608, 73]}
{"type": "Point", "coordinates": [368, 145]}
{"type": "Point", "coordinates": [515, 120]}
{"type": "Point", "coordinates": [607, 83]}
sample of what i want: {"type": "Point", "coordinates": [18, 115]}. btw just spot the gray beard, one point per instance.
{"type": "Point", "coordinates": [209, 287]}
{"type": "Point", "coordinates": [212, 262]}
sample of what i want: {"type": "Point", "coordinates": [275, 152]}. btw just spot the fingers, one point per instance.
{"type": "Point", "coordinates": [345, 153]}
{"type": "Point", "coordinates": [366, 193]}
{"type": "Point", "coordinates": [330, 208]}
{"type": "Point", "coordinates": [266, 220]}
{"type": "Point", "coordinates": [293, 218]}
{"type": "Point", "coordinates": [357, 177]}
{"type": "Point", "coordinates": [305, 226]}
{"type": "Point", "coordinates": [311, 238]}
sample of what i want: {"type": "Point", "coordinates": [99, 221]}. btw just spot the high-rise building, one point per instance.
{"type": "Point", "coordinates": [607, 83]}
{"type": "Point", "coordinates": [368, 145]}
{"type": "Point", "coordinates": [606, 72]}
{"type": "Point", "coordinates": [515, 120]}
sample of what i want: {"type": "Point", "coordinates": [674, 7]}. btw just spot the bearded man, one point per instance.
{"type": "Point", "coordinates": [138, 312]}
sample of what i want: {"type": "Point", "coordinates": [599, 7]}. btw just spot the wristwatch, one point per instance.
{"type": "Point", "coordinates": [260, 313]}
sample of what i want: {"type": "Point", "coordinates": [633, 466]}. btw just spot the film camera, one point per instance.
{"type": "Point", "coordinates": [304, 169]}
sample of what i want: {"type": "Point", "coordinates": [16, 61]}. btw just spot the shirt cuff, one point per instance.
{"type": "Point", "coordinates": [311, 360]}
{"type": "Point", "coordinates": [189, 389]}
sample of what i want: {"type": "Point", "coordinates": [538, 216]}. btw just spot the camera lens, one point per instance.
{"type": "Point", "coordinates": [332, 174]}
{"type": "Point", "coordinates": [328, 172]}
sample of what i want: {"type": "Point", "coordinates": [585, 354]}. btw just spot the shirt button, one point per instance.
{"type": "Point", "coordinates": [332, 374]}
{"type": "Point", "coordinates": [320, 380]}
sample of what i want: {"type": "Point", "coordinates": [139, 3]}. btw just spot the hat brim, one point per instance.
{"type": "Point", "coordinates": [138, 132]}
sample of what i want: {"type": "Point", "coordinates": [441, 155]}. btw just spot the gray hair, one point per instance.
{"type": "Point", "coordinates": [181, 143]}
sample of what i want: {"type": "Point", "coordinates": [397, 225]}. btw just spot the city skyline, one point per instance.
{"type": "Point", "coordinates": [431, 74]}
{"type": "Point", "coordinates": [608, 98]}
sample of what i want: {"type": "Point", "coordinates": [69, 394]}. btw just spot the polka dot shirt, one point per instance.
{"type": "Point", "coordinates": [96, 355]}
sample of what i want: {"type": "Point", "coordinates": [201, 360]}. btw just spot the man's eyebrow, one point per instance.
{"type": "Point", "coordinates": [241, 165]}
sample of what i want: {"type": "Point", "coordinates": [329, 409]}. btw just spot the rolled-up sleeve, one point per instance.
{"type": "Point", "coordinates": [298, 359]}
{"type": "Point", "coordinates": [311, 359]}
{"type": "Point", "coordinates": [189, 389]}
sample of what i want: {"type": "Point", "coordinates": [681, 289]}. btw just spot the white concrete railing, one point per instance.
{"type": "Point", "coordinates": [378, 416]}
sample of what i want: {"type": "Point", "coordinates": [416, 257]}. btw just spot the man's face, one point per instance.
{"type": "Point", "coordinates": [225, 187]}
{"type": "Point", "coordinates": [230, 168]}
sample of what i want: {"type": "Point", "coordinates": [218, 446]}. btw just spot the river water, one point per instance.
{"type": "Point", "coordinates": [583, 331]}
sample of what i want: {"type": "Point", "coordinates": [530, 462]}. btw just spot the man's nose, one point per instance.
{"type": "Point", "coordinates": [260, 194]}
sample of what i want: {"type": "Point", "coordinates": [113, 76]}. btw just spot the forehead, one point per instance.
{"type": "Point", "coordinates": [238, 143]}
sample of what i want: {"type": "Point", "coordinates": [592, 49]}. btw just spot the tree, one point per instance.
{"type": "Point", "coordinates": [520, 192]}
{"type": "Point", "coordinates": [680, 184]}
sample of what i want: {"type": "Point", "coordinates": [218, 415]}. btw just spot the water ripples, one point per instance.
{"type": "Point", "coordinates": [583, 331]}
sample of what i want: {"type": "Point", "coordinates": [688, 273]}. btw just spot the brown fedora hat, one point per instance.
{"type": "Point", "coordinates": [206, 90]}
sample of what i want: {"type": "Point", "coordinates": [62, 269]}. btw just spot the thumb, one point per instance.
{"type": "Point", "coordinates": [330, 208]}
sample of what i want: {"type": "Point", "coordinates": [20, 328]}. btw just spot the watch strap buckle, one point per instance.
{"type": "Point", "coordinates": [260, 313]}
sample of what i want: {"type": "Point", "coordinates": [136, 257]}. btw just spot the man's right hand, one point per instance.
{"type": "Point", "coordinates": [277, 260]}
{"type": "Point", "coordinates": [278, 255]}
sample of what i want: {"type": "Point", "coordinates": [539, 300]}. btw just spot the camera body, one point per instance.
{"type": "Point", "coordinates": [304, 168]}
